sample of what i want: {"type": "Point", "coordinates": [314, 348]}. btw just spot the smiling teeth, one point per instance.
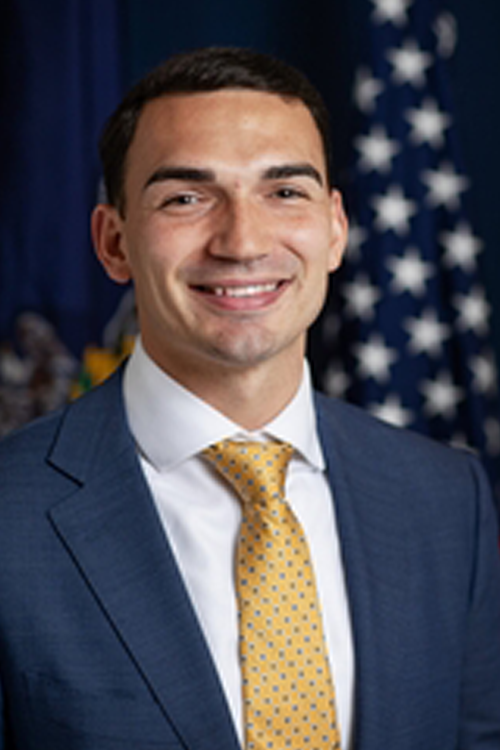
{"type": "Point", "coordinates": [243, 291]}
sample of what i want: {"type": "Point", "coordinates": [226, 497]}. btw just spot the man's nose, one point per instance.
{"type": "Point", "coordinates": [242, 233]}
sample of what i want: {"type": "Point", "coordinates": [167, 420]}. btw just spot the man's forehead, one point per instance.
{"type": "Point", "coordinates": [207, 130]}
{"type": "Point", "coordinates": [165, 109]}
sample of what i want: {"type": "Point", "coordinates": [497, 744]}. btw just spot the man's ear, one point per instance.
{"type": "Point", "coordinates": [109, 243]}
{"type": "Point", "coordinates": [340, 229]}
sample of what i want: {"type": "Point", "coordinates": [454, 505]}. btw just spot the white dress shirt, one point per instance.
{"type": "Point", "coordinates": [201, 515]}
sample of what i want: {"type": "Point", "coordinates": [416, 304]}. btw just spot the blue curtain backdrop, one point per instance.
{"type": "Point", "coordinates": [60, 76]}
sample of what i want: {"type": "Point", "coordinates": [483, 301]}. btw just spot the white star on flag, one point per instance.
{"type": "Point", "coordinates": [428, 124]}
{"type": "Point", "coordinates": [375, 358]}
{"type": "Point", "coordinates": [473, 311]}
{"type": "Point", "coordinates": [427, 333]}
{"type": "Point", "coordinates": [394, 11]}
{"type": "Point", "coordinates": [394, 211]}
{"type": "Point", "coordinates": [461, 246]}
{"type": "Point", "coordinates": [442, 396]}
{"type": "Point", "coordinates": [445, 28]}
{"type": "Point", "coordinates": [336, 381]}
{"type": "Point", "coordinates": [356, 238]}
{"type": "Point", "coordinates": [366, 90]}
{"type": "Point", "coordinates": [410, 273]}
{"type": "Point", "coordinates": [484, 373]}
{"type": "Point", "coordinates": [410, 63]}
{"type": "Point", "coordinates": [361, 297]}
{"type": "Point", "coordinates": [391, 410]}
{"type": "Point", "coordinates": [377, 150]}
{"type": "Point", "coordinates": [445, 186]}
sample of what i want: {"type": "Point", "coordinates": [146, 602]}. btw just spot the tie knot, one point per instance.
{"type": "Point", "coordinates": [257, 471]}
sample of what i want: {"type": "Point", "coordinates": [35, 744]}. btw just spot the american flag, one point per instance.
{"type": "Point", "coordinates": [407, 328]}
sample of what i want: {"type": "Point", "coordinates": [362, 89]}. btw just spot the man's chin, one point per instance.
{"type": "Point", "coordinates": [241, 352]}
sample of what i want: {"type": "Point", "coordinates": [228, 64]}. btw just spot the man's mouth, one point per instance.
{"type": "Point", "coordinates": [244, 291]}
{"type": "Point", "coordinates": [240, 297]}
{"type": "Point", "coordinates": [248, 290]}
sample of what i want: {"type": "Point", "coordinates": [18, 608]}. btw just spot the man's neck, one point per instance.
{"type": "Point", "coordinates": [250, 397]}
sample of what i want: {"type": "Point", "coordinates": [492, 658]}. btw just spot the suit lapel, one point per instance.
{"type": "Point", "coordinates": [110, 527]}
{"type": "Point", "coordinates": [373, 535]}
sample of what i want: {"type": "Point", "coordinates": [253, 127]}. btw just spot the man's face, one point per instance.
{"type": "Point", "coordinates": [230, 230]}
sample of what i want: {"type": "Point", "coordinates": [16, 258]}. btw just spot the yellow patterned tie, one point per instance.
{"type": "Point", "coordinates": [288, 695]}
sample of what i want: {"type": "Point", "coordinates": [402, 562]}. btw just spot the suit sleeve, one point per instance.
{"type": "Point", "coordinates": [480, 710]}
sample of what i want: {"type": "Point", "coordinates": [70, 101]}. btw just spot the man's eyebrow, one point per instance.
{"type": "Point", "coordinates": [190, 174]}
{"type": "Point", "coordinates": [283, 171]}
{"type": "Point", "coordinates": [195, 174]}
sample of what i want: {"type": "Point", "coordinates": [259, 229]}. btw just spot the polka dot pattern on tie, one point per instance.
{"type": "Point", "coordinates": [288, 694]}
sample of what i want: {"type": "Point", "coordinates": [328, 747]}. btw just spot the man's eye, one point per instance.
{"type": "Point", "coordinates": [183, 199]}
{"type": "Point", "coordinates": [288, 193]}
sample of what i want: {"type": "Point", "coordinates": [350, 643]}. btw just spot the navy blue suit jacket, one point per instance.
{"type": "Point", "coordinates": [100, 648]}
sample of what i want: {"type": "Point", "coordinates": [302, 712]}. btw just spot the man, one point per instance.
{"type": "Point", "coordinates": [120, 592]}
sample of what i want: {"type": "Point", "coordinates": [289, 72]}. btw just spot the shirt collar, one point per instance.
{"type": "Point", "coordinates": [161, 415]}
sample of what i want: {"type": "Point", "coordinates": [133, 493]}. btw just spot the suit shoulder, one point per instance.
{"type": "Point", "coordinates": [27, 442]}
{"type": "Point", "coordinates": [409, 472]}
{"type": "Point", "coordinates": [76, 425]}
{"type": "Point", "coordinates": [388, 444]}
